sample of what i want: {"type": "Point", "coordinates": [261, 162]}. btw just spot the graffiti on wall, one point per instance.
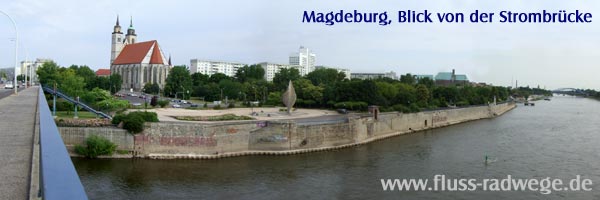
{"type": "Point", "coordinates": [273, 139]}
{"type": "Point", "coordinates": [187, 141]}
{"type": "Point", "coordinates": [437, 118]}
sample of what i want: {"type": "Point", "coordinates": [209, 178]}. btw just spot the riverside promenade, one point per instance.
{"type": "Point", "coordinates": [17, 130]}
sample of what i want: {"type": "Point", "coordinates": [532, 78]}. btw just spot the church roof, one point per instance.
{"type": "Point", "coordinates": [135, 53]}
{"type": "Point", "coordinates": [103, 72]}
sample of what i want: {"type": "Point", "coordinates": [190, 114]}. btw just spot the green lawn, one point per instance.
{"type": "Point", "coordinates": [80, 114]}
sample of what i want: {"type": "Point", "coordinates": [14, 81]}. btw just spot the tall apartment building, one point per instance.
{"type": "Point", "coordinates": [272, 68]}
{"type": "Point", "coordinates": [344, 70]}
{"type": "Point", "coordinates": [212, 67]}
{"type": "Point", "coordinates": [305, 59]}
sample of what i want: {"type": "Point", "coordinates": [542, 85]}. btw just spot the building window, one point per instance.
{"type": "Point", "coordinates": [118, 39]}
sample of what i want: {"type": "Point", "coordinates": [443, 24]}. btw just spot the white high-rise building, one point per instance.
{"type": "Point", "coordinates": [271, 69]}
{"type": "Point", "coordinates": [208, 67]}
{"type": "Point", "coordinates": [305, 59]}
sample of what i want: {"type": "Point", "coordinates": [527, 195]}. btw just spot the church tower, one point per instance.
{"type": "Point", "coordinates": [131, 37]}
{"type": "Point", "coordinates": [117, 42]}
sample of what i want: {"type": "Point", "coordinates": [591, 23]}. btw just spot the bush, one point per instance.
{"type": "Point", "coordinates": [96, 146]}
{"type": "Point", "coordinates": [205, 105]}
{"type": "Point", "coordinates": [401, 108]}
{"type": "Point", "coordinates": [117, 119]}
{"type": "Point", "coordinates": [163, 103]}
{"type": "Point", "coordinates": [231, 105]}
{"type": "Point", "coordinates": [146, 116]}
{"type": "Point", "coordinates": [134, 123]}
{"type": "Point", "coordinates": [217, 107]}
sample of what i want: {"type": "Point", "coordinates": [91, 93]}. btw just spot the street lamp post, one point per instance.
{"type": "Point", "coordinates": [16, 45]}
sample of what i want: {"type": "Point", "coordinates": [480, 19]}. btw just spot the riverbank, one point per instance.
{"type": "Point", "coordinates": [180, 140]}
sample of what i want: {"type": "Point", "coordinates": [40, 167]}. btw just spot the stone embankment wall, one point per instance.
{"type": "Point", "coordinates": [167, 140]}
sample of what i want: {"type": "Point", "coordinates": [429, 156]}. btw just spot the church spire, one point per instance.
{"type": "Point", "coordinates": [169, 59]}
{"type": "Point", "coordinates": [131, 22]}
{"type": "Point", "coordinates": [117, 20]}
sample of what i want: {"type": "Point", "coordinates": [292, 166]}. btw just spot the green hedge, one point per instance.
{"type": "Point", "coordinates": [352, 105]}
{"type": "Point", "coordinates": [96, 146]}
{"type": "Point", "coordinates": [134, 121]}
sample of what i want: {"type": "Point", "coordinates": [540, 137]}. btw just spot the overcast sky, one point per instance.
{"type": "Point", "coordinates": [551, 55]}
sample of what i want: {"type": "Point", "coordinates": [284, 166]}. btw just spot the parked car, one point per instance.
{"type": "Point", "coordinates": [136, 104]}
{"type": "Point", "coordinates": [194, 105]}
{"type": "Point", "coordinates": [8, 85]}
{"type": "Point", "coordinates": [176, 106]}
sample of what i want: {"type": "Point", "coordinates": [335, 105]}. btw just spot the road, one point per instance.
{"type": "Point", "coordinates": [6, 92]}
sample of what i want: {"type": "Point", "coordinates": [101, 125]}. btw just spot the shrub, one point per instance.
{"type": "Point", "coordinates": [205, 105]}
{"type": "Point", "coordinates": [146, 116]}
{"type": "Point", "coordinates": [217, 107]}
{"type": "Point", "coordinates": [163, 103]}
{"type": "Point", "coordinates": [96, 146]}
{"type": "Point", "coordinates": [401, 108]}
{"type": "Point", "coordinates": [231, 105]}
{"type": "Point", "coordinates": [133, 123]}
{"type": "Point", "coordinates": [118, 118]}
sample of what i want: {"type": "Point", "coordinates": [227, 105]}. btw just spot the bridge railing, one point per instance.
{"type": "Point", "coordinates": [58, 178]}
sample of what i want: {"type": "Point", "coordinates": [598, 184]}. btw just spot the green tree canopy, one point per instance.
{"type": "Point", "coordinates": [246, 73]}
{"type": "Point", "coordinates": [179, 81]}
{"type": "Point", "coordinates": [325, 76]}
{"type": "Point", "coordinates": [282, 78]}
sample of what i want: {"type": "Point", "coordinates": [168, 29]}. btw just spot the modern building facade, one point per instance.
{"type": "Point", "coordinates": [305, 59]}
{"type": "Point", "coordinates": [26, 65]}
{"type": "Point", "coordinates": [450, 78]}
{"type": "Point", "coordinates": [272, 68]}
{"type": "Point", "coordinates": [208, 67]}
{"type": "Point", "coordinates": [344, 70]}
{"type": "Point", "coordinates": [365, 76]}
{"type": "Point", "coordinates": [138, 63]}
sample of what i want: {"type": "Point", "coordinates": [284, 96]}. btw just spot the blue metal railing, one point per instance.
{"type": "Point", "coordinates": [79, 103]}
{"type": "Point", "coordinates": [59, 180]}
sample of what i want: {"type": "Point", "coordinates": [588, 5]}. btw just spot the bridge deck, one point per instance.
{"type": "Point", "coordinates": [17, 125]}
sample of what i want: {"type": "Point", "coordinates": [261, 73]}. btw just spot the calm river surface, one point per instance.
{"type": "Point", "coordinates": [558, 139]}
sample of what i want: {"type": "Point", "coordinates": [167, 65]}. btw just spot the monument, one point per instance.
{"type": "Point", "coordinates": [289, 98]}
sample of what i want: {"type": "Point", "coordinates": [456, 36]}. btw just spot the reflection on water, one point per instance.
{"type": "Point", "coordinates": [557, 138]}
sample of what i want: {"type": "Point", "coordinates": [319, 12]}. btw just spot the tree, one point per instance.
{"type": "Point", "coordinates": [426, 81]}
{"type": "Point", "coordinates": [48, 73]}
{"type": "Point", "coordinates": [151, 88]}
{"type": "Point", "coordinates": [247, 73]}
{"type": "Point", "coordinates": [86, 73]}
{"type": "Point", "coordinates": [22, 77]}
{"type": "Point", "coordinates": [282, 78]}
{"type": "Point", "coordinates": [408, 79]}
{"type": "Point", "coordinates": [115, 82]}
{"type": "Point", "coordinates": [178, 81]}
{"type": "Point", "coordinates": [325, 76]}
{"type": "Point", "coordinates": [218, 77]}
{"type": "Point", "coordinates": [199, 79]}
{"type": "Point", "coordinates": [422, 95]}
{"type": "Point", "coordinates": [70, 83]}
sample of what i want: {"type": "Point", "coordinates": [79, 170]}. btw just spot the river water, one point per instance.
{"type": "Point", "coordinates": [557, 139]}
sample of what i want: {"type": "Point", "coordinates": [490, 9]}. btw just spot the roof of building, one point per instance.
{"type": "Point", "coordinates": [447, 76]}
{"type": "Point", "coordinates": [424, 76]}
{"type": "Point", "coordinates": [103, 72]}
{"type": "Point", "coordinates": [461, 77]}
{"type": "Point", "coordinates": [135, 53]}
